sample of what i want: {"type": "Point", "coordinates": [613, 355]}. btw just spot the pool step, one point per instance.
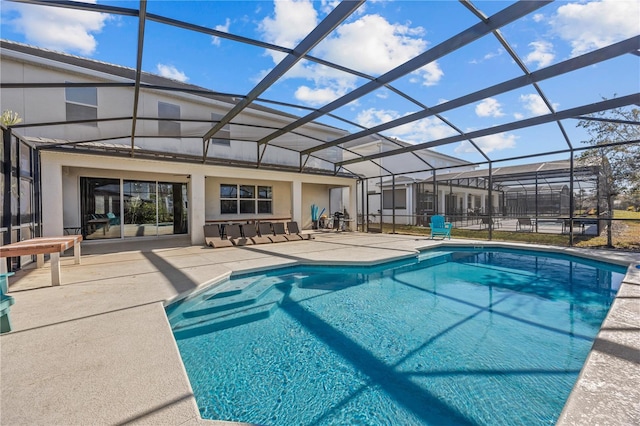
{"type": "Point", "coordinates": [193, 326]}
{"type": "Point", "coordinates": [233, 287]}
{"type": "Point", "coordinates": [432, 258]}
{"type": "Point", "coordinates": [246, 286]}
{"type": "Point", "coordinates": [231, 301]}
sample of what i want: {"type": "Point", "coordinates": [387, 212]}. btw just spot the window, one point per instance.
{"type": "Point", "coordinates": [245, 199]}
{"type": "Point", "coordinates": [224, 134]}
{"type": "Point", "coordinates": [228, 199]}
{"type": "Point", "coordinates": [82, 104]}
{"type": "Point", "coordinates": [401, 199]}
{"type": "Point", "coordinates": [264, 199]}
{"type": "Point", "coordinates": [166, 127]}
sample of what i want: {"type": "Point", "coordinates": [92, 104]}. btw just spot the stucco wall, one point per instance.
{"type": "Point", "coordinates": [281, 201]}
{"type": "Point", "coordinates": [61, 172]}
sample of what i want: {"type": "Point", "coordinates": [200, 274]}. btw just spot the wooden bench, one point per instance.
{"type": "Point", "coordinates": [45, 245]}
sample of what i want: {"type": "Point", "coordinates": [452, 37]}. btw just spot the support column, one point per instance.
{"type": "Point", "coordinates": [52, 211]}
{"type": "Point", "coordinates": [296, 201]}
{"type": "Point", "coordinates": [353, 205]}
{"type": "Point", "coordinates": [197, 196]}
{"type": "Point", "coordinates": [465, 204]}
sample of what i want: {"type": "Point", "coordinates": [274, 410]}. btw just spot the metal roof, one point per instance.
{"type": "Point", "coordinates": [340, 155]}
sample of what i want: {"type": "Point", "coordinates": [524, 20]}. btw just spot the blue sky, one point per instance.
{"type": "Point", "coordinates": [378, 37]}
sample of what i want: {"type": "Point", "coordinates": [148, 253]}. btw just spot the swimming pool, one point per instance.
{"type": "Point", "coordinates": [452, 337]}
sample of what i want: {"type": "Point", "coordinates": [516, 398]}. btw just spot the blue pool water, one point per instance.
{"type": "Point", "coordinates": [453, 337]}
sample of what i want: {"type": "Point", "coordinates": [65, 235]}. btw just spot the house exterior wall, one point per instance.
{"type": "Point", "coordinates": [48, 105]}
{"type": "Point", "coordinates": [293, 193]}
{"type": "Point", "coordinates": [61, 172]}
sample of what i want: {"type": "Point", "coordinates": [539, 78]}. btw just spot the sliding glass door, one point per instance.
{"type": "Point", "coordinates": [149, 208]}
{"type": "Point", "coordinates": [140, 209]}
{"type": "Point", "coordinates": [172, 208]}
{"type": "Point", "coordinates": [100, 208]}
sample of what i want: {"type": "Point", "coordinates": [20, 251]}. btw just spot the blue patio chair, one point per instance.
{"type": "Point", "coordinates": [439, 227]}
{"type": "Point", "coordinates": [5, 303]}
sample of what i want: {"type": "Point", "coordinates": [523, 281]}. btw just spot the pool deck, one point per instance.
{"type": "Point", "coordinates": [98, 349]}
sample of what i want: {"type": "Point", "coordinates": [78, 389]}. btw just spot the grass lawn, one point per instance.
{"type": "Point", "coordinates": [626, 234]}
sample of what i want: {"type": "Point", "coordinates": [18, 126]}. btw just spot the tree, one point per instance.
{"type": "Point", "coordinates": [617, 162]}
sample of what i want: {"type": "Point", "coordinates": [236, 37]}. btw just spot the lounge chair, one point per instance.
{"type": "Point", "coordinates": [524, 224]}
{"type": "Point", "coordinates": [234, 234]}
{"type": "Point", "coordinates": [212, 237]}
{"type": "Point", "coordinates": [278, 229]}
{"type": "Point", "coordinates": [249, 231]}
{"type": "Point", "coordinates": [293, 229]}
{"type": "Point", "coordinates": [439, 227]}
{"type": "Point", "coordinates": [265, 230]}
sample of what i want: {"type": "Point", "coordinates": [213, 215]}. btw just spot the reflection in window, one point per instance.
{"type": "Point", "coordinates": [82, 104]}
{"type": "Point", "coordinates": [264, 199]}
{"type": "Point", "coordinates": [400, 199]}
{"type": "Point", "coordinates": [222, 136]}
{"type": "Point", "coordinates": [150, 208]}
{"type": "Point", "coordinates": [167, 111]}
{"type": "Point", "coordinates": [100, 208]}
{"type": "Point", "coordinates": [139, 208]}
{"type": "Point", "coordinates": [245, 199]}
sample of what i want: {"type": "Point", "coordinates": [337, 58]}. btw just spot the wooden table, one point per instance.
{"type": "Point", "coordinates": [45, 245]}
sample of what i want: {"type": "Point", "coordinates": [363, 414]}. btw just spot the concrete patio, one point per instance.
{"type": "Point", "coordinates": [99, 350]}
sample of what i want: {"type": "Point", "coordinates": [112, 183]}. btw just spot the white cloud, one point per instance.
{"type": "Point", "coordinates": [592, 25]}
{"type": "Point", "coordinates": [489, 107]}
{"type": "Point", "coordinates": [535, 105]}
{"type": "Point", "coordinates": [317, 96]}
{"type": "Point", "coordinates": [374, 45]}
{"type": "Point", "coordinates": [496, 142]}
{"type": "Point", "coordinates": [169, 71]}
{"type": "Point", "coordinates": [372, 117]}
{"type": "Point", "coordinates": [419, 131]}
{"type": "Point", "coordinates": [224, 28]}
{"type": "Point", "coordinates": [369, 44]}
{"type": "Point", "coordinates": [329, 5]}
{"type": "Point", "coordinates": [292, 21]}
{"type": "Point", "coordinates": [542, 53]}
{"type": "Point", "coordinates": [57, 28]}
{"type": "Point", "coordinates": [538, 17]}
{"type": "Point", "coordinates": [488, 56]}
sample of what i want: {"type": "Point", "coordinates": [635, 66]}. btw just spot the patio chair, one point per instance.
{"type": "Point", "coordinates": [278, 229]}
{"type": "Point", "coordinates": [293, 229]}
{"type": "Point", "coordinates": [524, 224]}
{"type": "Point", "coordinates": [234, 234]}
{"type": "Point", "coordinates": [487, 221]}
{"type": "Point", "coordinates": [212, 237]}
{"type": "Point", "coordinates": [439, 227]}
{"type": "Point", "coordinates": [5, 303]}
{"type": "Point", "coordinates": [249, 232]}
{"type": "Point", "coordinates": [265, 230]}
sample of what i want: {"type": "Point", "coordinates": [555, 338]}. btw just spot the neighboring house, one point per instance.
{"type": "Point", "coordinates": [406, 196]}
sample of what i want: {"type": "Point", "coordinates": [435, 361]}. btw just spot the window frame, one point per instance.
{"type": "Point", "coordinates": [168, 120]}
{"type": "Point", "coordinates": [76, 101]}
{"type": "Point", "coordinates": [242, 199]}
{"type": "Point", "coordinates": [224, 133]}
{"type": "Point", "coordinates": [400, 199]}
